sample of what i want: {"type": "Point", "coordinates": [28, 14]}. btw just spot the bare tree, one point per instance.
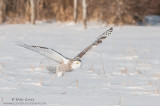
{"type": "Point", "coordinates": [33, 11]}
{"type": "Point", "coordinates": [2, 7]}
{"type": "Point", "coordinates": [119, 11]}
{"type": "Point", "coordinates": [75, 10]}
{"type": "Point", "coordinates": [84, 13]}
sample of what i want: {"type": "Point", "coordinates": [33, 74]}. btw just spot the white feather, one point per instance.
{"type": "Point", "coordinates": [50, 53]}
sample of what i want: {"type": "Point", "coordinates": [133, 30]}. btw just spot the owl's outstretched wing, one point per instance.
{"type": "Point", "coordinates": [97, 42]}
{"type": "Point", "coordinates": [50, 53]}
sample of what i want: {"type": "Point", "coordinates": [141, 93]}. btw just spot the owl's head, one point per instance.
{"type": "Point", "coordinates": [76, 64]}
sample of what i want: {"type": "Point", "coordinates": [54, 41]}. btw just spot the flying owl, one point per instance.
{"type": "Point", "coordinates": [65, 64]}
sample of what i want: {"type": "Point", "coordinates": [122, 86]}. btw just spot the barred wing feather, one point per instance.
{"type": "Point", "coordinates": [97, 42]}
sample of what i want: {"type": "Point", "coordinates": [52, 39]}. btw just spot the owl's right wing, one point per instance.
{"type": "Point", "coordinates": [95, 43]}
{"type": "Point", "coordinates": [50, 53]}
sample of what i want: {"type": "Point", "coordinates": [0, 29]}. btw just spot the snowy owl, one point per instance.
{"type": "Point", "coordinates": [65, 64]}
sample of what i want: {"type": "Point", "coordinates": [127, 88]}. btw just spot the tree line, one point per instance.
{"type": "Point", "coordinates": [117, 12]}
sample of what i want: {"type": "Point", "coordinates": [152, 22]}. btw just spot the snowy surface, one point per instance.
{"type": "Point", "coordinates": [123, 71]}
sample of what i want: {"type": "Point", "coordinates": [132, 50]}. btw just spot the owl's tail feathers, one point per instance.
{"type": "Point", "coordinates": [51, 69]}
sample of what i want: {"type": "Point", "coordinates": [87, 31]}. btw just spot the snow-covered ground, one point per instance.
{"type": "Point", "coordinates": [123, 70]}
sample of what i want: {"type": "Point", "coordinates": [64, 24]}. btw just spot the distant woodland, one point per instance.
{"type": "Point", "coordinates": [117, 12]}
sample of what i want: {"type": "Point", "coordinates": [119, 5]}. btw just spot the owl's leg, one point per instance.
{"type": "Point", "coordinates": [59, 74]}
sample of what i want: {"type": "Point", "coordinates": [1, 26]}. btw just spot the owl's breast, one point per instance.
{"type": "Point", "coordinates": [65, 67]}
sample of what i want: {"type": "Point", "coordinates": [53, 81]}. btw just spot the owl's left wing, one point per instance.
{"type": "Point", "coordinates": [97, 42]}
{"type": "Point", "coordinates": [50, 53]}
